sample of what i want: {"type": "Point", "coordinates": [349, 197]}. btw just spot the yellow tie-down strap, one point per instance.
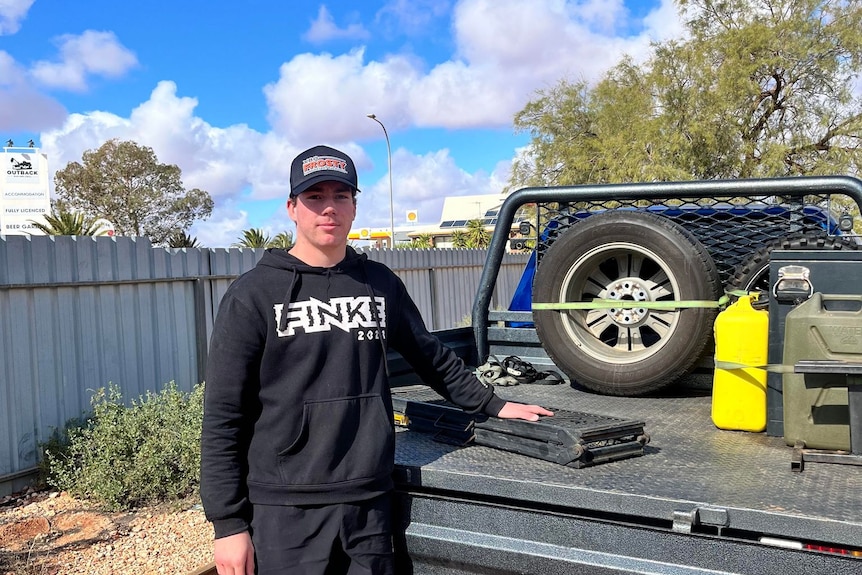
{"type": "Point", "coordinates": [662, 305]}
{"type": "Point", "coordinates": [630, 304]}
{"type": "Point", "coordinates": [773, 367]}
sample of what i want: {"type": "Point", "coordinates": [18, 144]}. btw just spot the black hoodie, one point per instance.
{"type": "Point", "coordinates": [297, 407]}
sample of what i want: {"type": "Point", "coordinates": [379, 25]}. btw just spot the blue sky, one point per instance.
{"type": "Point", "coordinates": [231, 92]}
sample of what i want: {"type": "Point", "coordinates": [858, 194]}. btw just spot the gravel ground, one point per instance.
{"type": "Point", "coordinates": [50, 533]}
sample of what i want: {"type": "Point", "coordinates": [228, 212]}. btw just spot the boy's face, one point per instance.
{"type": "Point", "coordinates": [323, 214]}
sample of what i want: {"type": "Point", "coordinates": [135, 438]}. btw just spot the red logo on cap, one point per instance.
{"type": "Point", "coordinates": [317, 163]}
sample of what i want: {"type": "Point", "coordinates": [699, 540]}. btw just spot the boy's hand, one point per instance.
{"type": "Point", "coordinates": [522, 411]}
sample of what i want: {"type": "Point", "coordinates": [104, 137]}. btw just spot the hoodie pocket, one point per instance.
{"type": "Point", "coordinates": [341, 440]}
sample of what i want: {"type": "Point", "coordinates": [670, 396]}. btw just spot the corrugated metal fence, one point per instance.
{"type": "Point", "coordinates": [79, 313]}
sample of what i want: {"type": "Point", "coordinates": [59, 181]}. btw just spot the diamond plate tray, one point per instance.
{"type": "Point", "coordinates": [689, 467]}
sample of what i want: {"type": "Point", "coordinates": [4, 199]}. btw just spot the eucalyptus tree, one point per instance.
{"type": "Point", "coordinates": [757, 88]}
{"type": "Point", "coordinates": [125, 183]}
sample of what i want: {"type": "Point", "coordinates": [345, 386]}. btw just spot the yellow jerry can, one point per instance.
{"type": "Point", "coordinates": [739, 392]}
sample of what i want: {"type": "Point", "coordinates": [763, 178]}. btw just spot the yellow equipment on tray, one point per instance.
{"type": "Point", "coordinates": [739, 393]}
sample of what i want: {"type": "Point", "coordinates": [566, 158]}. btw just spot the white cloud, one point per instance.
{"type": "Point", "coordinates": [10, 72]}
{"type": "Point", "coordinates": [91, 53]}
{"type": "Point", "coordinates": [241, 168]}
{"type": "Point", "coordinates": [223, 162]}
{"type": "Point", "coordinates": [79, 133]}
{"type": "Point", "coordinates": [219, 160]}
{"type": "Point", "coordinates": [324, 29]}
{"type": "Point", "coordinates": [234, 164]}
{"type": "Point", "coordinates": [223, 228]}
{"type": "Point", "coordinates": [665, 22]}
{"type": "Point", "coordinates": [325, 97]}
{"type": "Point", "coordinates": [505, 51]}
{"type": "Point", "coordinates": [11, 14]}
{"type": "Point", "coordinates": [420, 182]}
{"type": "Point", "coordinates": [411, 17]}
{"type": "Point", "coordinates": [228, 220]}
{"type": "Point", "coordinates": [604, 15]}
{"type": "Point", "coordinates": [22, 108]}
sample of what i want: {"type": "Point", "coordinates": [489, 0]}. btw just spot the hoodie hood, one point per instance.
{"type": "Point", "coordinates": [282, 259]}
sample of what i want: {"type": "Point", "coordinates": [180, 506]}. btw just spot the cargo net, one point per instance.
{"type": "Point", "coordinates": [730, 228]}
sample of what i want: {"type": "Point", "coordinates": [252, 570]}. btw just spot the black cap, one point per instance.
{"type": "Point", "coordinates": [321, 164]}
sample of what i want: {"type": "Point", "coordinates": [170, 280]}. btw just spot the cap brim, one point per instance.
{"type": "Point", "coordinates": [320, 178]}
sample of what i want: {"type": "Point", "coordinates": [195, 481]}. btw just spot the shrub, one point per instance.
{"type": "Point", "coordinates": [127, 456]}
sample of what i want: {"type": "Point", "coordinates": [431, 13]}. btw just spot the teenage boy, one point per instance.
{"type": "Point", "coordinates": [298, 440]}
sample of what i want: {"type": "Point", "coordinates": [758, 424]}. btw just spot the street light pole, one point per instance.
{"type": "Point", "coordinates": [391, 205]}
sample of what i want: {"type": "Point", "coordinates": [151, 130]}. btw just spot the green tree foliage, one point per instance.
{"type": "Point", "coordinates": [282, 240]}
{"type": "Point", "coordinates": [408, 246]}
{"type": "Point", "coordinates": [257, 238]}
{"type": "Point", "coordinates": [63, 223]}
{"type": "Point", "coordinates": [459, 239]}
{"type": "Point", "coordinates": [760, 88]}
{"type": "Point", "coordinates": [422, 241]}
{"type": "Point", "coordinates": [180, 239]}
{"type": "Point", "coordinates": [125, 183]}
{"type": "Point", "coordinates": [474, 237]}
{"type": "Point", "coordinates": [477, 236]}
{"type": "Point", "coordinates": [253, 238]}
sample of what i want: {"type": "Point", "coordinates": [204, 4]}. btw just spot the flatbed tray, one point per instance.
{"type": "Point", "coordinates": [572, 438]}
{"type": "Point", "coordinates": [688, 467]}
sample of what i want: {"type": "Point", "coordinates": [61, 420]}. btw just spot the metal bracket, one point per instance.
{"type": "Point", "coordinates": [684, 521]}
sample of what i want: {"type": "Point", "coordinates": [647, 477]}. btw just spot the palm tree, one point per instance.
{"type": "Point", "coordinates": [63, 223]}
{"type": "Point", "coordinates": [459, 239]}
{"type": "Point", "coordinates": [422, 241]}
{"type": "Point", "coordinates": [477, 235]}
{"type": "Point", "coordinates": [180, 239]}
{"type": "Point", "coordinates": [282, 240]}
{"type": "Point", "coordinates": [253, 238]}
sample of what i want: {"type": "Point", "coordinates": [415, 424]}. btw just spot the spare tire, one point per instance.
{"type": "Point", "coordinates": [629, 256]}
{"type": "Point", "coordinates": [753, 273]}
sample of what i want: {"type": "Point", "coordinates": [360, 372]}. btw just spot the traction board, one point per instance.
{"type": "Point", "coordinates": [570, 438]}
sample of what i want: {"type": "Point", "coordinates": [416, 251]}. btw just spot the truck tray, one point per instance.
{"type": "Point", "coordinates": [570, 438]}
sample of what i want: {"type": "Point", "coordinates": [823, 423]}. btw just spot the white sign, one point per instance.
{"type": "Point", "coordinates": [22, 168]}
{"type": "Point", "coordinates": [24, 193]}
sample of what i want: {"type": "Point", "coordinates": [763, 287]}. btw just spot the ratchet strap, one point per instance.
{"type": "Point", "coordinates": [773, 367]}
{"type": "Point", "coordinates": [630, 304]}
{"type": "Point", "coordinates": [600, 303]}
{"type": "Point", "coordinates": [666, 305]}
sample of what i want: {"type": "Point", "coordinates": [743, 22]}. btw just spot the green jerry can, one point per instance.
{"type": "Point", "coordinates": [739, 393]}
{"type": "Point", "coordinates": [823, 327]}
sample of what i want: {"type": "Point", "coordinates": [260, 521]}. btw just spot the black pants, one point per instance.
{"type": "Point", "coordinates": [346, 538]}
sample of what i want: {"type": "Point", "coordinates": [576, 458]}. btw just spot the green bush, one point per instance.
{"type": "Point", "coordinates": [127, 456]}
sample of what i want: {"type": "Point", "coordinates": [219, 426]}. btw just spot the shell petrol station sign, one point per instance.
{"type": "Point", "coordinates": [24, 193]}
{"type": "Point", "coordinates": [371, 234]}
{"type": "Point", "coordinates": [380, 235]}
